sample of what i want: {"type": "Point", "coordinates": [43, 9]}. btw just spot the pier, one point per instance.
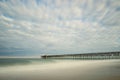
{"type": "Point", "coordinates": [101, 55]}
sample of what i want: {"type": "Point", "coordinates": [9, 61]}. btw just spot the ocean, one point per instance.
{"type": "Point", "coordinates": [58, 69]}
{"type": "Point", "coordinates": [4, 62]}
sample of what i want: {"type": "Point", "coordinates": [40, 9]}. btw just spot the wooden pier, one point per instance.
{"type": "Point", "coordinates": [101, 55]}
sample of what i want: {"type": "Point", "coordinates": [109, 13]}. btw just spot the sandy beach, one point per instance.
{"type": "Point", "coordinates": [64, 70]}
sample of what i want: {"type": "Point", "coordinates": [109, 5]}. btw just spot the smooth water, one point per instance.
{"type": "Point", "coordinates": [23, 61]}
{"type": "Point", "coordinates": [58, 69]}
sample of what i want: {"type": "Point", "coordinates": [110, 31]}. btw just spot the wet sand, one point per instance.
{"type": "Point", "coordinates": [64, 70]}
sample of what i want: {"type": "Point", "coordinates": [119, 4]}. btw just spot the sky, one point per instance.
{"type": "Point", "coordinates": [36, 27]}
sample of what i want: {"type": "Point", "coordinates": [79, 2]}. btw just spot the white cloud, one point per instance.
{"type": "Point", "coordinates": [72, 26]}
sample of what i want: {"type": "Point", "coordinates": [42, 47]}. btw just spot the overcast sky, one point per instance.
{"type": "Point", "coordinates": [34, 27]}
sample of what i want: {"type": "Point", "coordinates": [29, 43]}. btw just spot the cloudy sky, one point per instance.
{"type": "Point", "coordinates": [34, 27]}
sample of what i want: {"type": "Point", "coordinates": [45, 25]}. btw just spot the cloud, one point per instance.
{"type": "Point", "coordinates": [59, 26]}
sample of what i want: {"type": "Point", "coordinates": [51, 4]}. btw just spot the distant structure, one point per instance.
{"type": "Point", "coordinates": [101, 55]}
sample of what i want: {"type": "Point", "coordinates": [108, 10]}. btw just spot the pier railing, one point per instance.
{"type": "Point", "coordinates": [105, 55]}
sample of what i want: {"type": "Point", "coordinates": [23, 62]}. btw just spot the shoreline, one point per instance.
{"type": "Point", "coordinates": [64, 70]}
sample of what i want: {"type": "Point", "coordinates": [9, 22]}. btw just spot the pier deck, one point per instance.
{"type": "Point", "coordinates": [101, 55]}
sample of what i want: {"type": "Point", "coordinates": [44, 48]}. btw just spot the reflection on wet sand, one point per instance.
{"type": "Point", "coordinates": [64, 70]}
